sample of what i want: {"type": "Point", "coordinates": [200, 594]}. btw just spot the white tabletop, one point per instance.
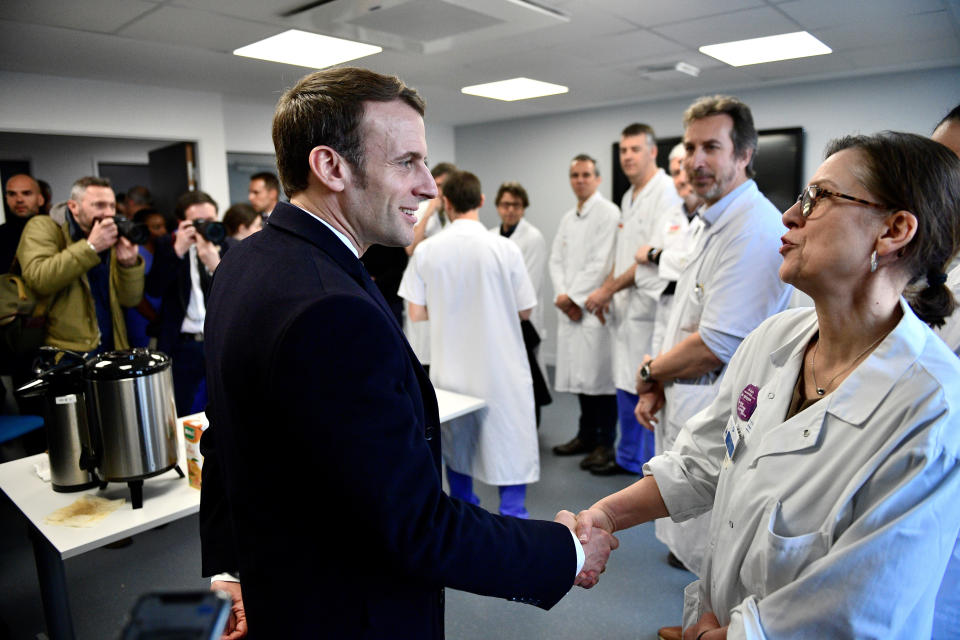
{"type": "Point", "coordinates": [166, 497]}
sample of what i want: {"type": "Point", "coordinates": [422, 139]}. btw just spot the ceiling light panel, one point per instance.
{"type": "Point", "coordinates": [769, 49]}
{"type": "Point", "coordinates": [514, 89]}
{"type": "Point", "coordinates": [306, 49]}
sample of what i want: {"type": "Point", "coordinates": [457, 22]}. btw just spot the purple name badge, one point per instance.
{"type": "Point", "coordinates": [747, 403]}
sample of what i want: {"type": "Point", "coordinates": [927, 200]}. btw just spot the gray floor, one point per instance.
{"type": "Point", "coordinates": [638, 593]}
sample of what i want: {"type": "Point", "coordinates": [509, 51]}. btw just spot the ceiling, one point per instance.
{"type": "Point", "coordinates": [601, 51]}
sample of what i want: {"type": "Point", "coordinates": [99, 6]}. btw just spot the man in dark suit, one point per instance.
{"type": "Point", "coordinates": [182, 270]}
{"type": "Point", "coordinates": [321, 480]}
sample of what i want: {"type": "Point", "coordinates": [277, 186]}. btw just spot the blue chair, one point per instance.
{"type": "Point", "coordinates": [15, 426]}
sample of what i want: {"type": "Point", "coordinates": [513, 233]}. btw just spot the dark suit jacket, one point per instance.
{"type": "Point", "coordinates": [169, 279]}
{"type": "Point", "coordinates": [321, 482]}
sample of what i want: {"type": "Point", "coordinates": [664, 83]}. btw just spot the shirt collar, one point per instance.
{"type": "Point", "coordinates": [342, 237]}
{"type": "Point", "coordinates": [712, 213]}
{"type": "Point", "coordinates": [582, 211]}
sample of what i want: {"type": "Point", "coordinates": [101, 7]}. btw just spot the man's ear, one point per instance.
{"type": "Point", "coordinates": [897, 231]}
{"type": "Point", "coordinates": [329, 168]}
{"type": "Point", "coordinates": [72, 205]}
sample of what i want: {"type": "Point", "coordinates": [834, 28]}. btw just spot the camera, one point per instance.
{"type": "Point", "coordinates": [135, 232]}
{"type": "Point", "coordinates": [211, 230]}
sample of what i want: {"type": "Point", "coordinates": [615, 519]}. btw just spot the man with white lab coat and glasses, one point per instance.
{"type": "Point", "coordinates": [631, 291]}
{"type": "Point", "coordinates": [512, 202]}
{"type": "Point", "coordinates": [729, 286]}
{"type": "Point", "coordinates": [580, 259]}
{"type": "Point", "coordinates": [473, 287]}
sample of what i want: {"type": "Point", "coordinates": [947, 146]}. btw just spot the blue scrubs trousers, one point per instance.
{"type": "Point", "coordinates": [512, 496]}
{"type": "Point", "coordinates": [636, 444]}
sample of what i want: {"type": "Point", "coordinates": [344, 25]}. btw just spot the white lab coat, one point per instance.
{"type": "Point", "coordinates": [474, 284]}
{"type": "Point", "coordinates": [580, 260]}
{"type": "Point", "coordinates": [729, 285]}
{"type": "Point", "coordinates": [836, 523]}
{"type": "Point", "coordinates": [677, 238]}
{"type": "Point", "coordinates": [534, 249]}
{"type": "Point", "coordinates": [634, 308]}
{"type": "Point", "coordinates": [418, 333]}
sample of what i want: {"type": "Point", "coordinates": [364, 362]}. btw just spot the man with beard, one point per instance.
{"type": "Point", "coordinates": [728, 287]}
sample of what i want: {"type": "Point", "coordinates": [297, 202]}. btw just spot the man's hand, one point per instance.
{"type": "Point", "coordinates": [103, 235]}
{"type": "Point", "coordinates": [645, 386]}
{"type": "Point", "coordinates": [208, 252]}
{"type": "Point", "coordinates": [591, 519]}
{"type": "Point", "coordinates": [237, 623]}
{"type": "Point", "coordinates": [569, 307]}
{"type": "Point", "coordinates": [599, 301]}
{"type": "Point", "coordinates": [597, 551]}
{"type": "Point", "coordinates": [596, 547]}
{"type": "Point", "coordinates": [643, 254]}
{"type": "Point", "coordinates": [707, 628]}
{"type": "Point", "coordinates": [185, 237]}
{"type": "Point", "coordinates": [647, 407]}
{"type": "Point", "coordinates": [127, 252]}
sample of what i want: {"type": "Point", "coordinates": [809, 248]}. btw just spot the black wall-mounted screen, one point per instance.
{"type": "Point", "coordinates": [779, 165]}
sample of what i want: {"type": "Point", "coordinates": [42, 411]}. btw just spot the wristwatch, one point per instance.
{"type": "Point", "coordinates": [653, 255]}
{"type": "Point", "coordinates": [645, 374]}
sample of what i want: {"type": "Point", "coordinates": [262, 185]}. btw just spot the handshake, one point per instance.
{"type": "Point", "coordinates": [594, 530]}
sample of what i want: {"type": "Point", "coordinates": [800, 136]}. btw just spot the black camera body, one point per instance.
{"type": "Point", "coordinates": [135, 232]}
{"type": "Point", "coordinates": [211, 230]}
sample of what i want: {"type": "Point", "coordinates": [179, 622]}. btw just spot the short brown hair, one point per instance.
{"type": "Point", "coordinates": [190, 198]}
{"type": "Point", "coordinates": [269, 180]}
{"type": "Point", "coordinates": [239, 215]}
{"type": "Point", "coordinates": [463, 190]}
{"type": "Point", "coordinates": [516, 190]}
{"type": "Point", "coordinates": [583, 157]}
{"type": "Point", "coordinates": [640, 129]}
{"type": "Point", "coordinates": [442, 169]}
{"type": "Point", "coordinates": [743, 135]}
{"type": "Point", "coordinates": [80, 186]}
{"type": "Point", "coordinates": [326, 108]}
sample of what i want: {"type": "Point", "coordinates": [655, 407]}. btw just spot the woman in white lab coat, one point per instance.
{"type": "Point", "coordinates": [830, 456]}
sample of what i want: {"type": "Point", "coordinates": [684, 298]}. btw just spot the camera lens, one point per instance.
{"type": "Point", "coordinates": [135, 232]}
{"type": "Point", "coordinates": [211, 230]}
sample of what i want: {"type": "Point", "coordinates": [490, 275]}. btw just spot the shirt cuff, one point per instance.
{"type": "Point", "coordinates": [581, 556]}
{"type": "Point", "coordinates": [229, 577]}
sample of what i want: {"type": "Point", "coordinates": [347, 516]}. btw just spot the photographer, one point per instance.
{"type": "Point", "coordinates": [183, 266]}
{"type": "Point", "coordinates": [84, 269]}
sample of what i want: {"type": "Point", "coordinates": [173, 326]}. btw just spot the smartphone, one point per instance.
{"type": "Point", "coordinates": [191, 615]}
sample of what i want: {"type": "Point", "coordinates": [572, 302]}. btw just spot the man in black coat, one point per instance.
{"type": "Point", "coordinates": [321, 479]}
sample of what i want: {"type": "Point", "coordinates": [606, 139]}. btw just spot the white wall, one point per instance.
{"type": "Point", "coordinates": [48, 104]}
{"type": "Point", "coordinates": [536, 151]}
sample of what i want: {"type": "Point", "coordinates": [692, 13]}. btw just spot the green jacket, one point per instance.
{"type": "Point", "coordinates": [55, 267]}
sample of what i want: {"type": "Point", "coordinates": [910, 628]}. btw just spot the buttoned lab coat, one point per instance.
{"type": "Point", "coordinates": [473, 284]}
{"type": "Point", "coordinates": [580, 260]}
{"type": "Point", "coordinates": [836, 523]}
{"type": "Point", "coordinates": [730, 285]}
{"type": "Point", "coordinates": [676, 238]}
{"type": "Point", "coordinates": [534, 249]}
{"type": "Point", "coordinates": [634, 308]}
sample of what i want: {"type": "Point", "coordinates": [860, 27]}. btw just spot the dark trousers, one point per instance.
{"type": "Point", "coordinates": [189, 376]}
{"type": "Point", "coordinates": [598, 419]}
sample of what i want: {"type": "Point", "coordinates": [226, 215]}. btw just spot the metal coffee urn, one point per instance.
{"type": "Point", "coordinates": [133, 417]}
{"type": "Point", "coordinates": [60, 383]}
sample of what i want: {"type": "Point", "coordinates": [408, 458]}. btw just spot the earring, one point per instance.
{"type": "Point", "coordinates": [873, 261]}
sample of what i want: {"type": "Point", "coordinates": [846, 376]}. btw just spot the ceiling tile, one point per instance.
{"type": "Point", "coordinates": [814, 14]}
{"type": "Point", "coordinates": [873, 33]}
{"type": "Point", "coordinates": [800, 67]}
{"type": "Point", "coordinates": [656, 12]}
{"type": "Point", "coordinates": [946, 50]}
{"type": "Point", "coordinates": [633, 45]}
{"type": "Point", "coordinates": [104, 16]}
{"type": "Point", "coordinates": [200, 29]}
{"type": "Point", "coordinates": [738, 25]}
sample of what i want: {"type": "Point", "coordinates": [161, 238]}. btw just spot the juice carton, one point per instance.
{"type": "Point", "coordinates": [192, 431]}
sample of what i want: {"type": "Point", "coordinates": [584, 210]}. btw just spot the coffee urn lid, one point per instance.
{"type": "Point", "coordinates": [122, 365]}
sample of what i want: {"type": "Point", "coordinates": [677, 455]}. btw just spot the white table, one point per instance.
{"type": "Point", "coordinates": [166, 497]}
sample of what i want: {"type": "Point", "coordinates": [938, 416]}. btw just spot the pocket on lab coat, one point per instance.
{"type": "Point", "coordinates": [775, 560]}
{"type": "Point", "coordinates": [692, 306]}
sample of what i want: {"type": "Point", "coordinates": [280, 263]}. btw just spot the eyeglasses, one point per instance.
{"type": "Point", "coordinates": [810, 195]}
{"type": "Point", "coordinates": [506, 204]}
